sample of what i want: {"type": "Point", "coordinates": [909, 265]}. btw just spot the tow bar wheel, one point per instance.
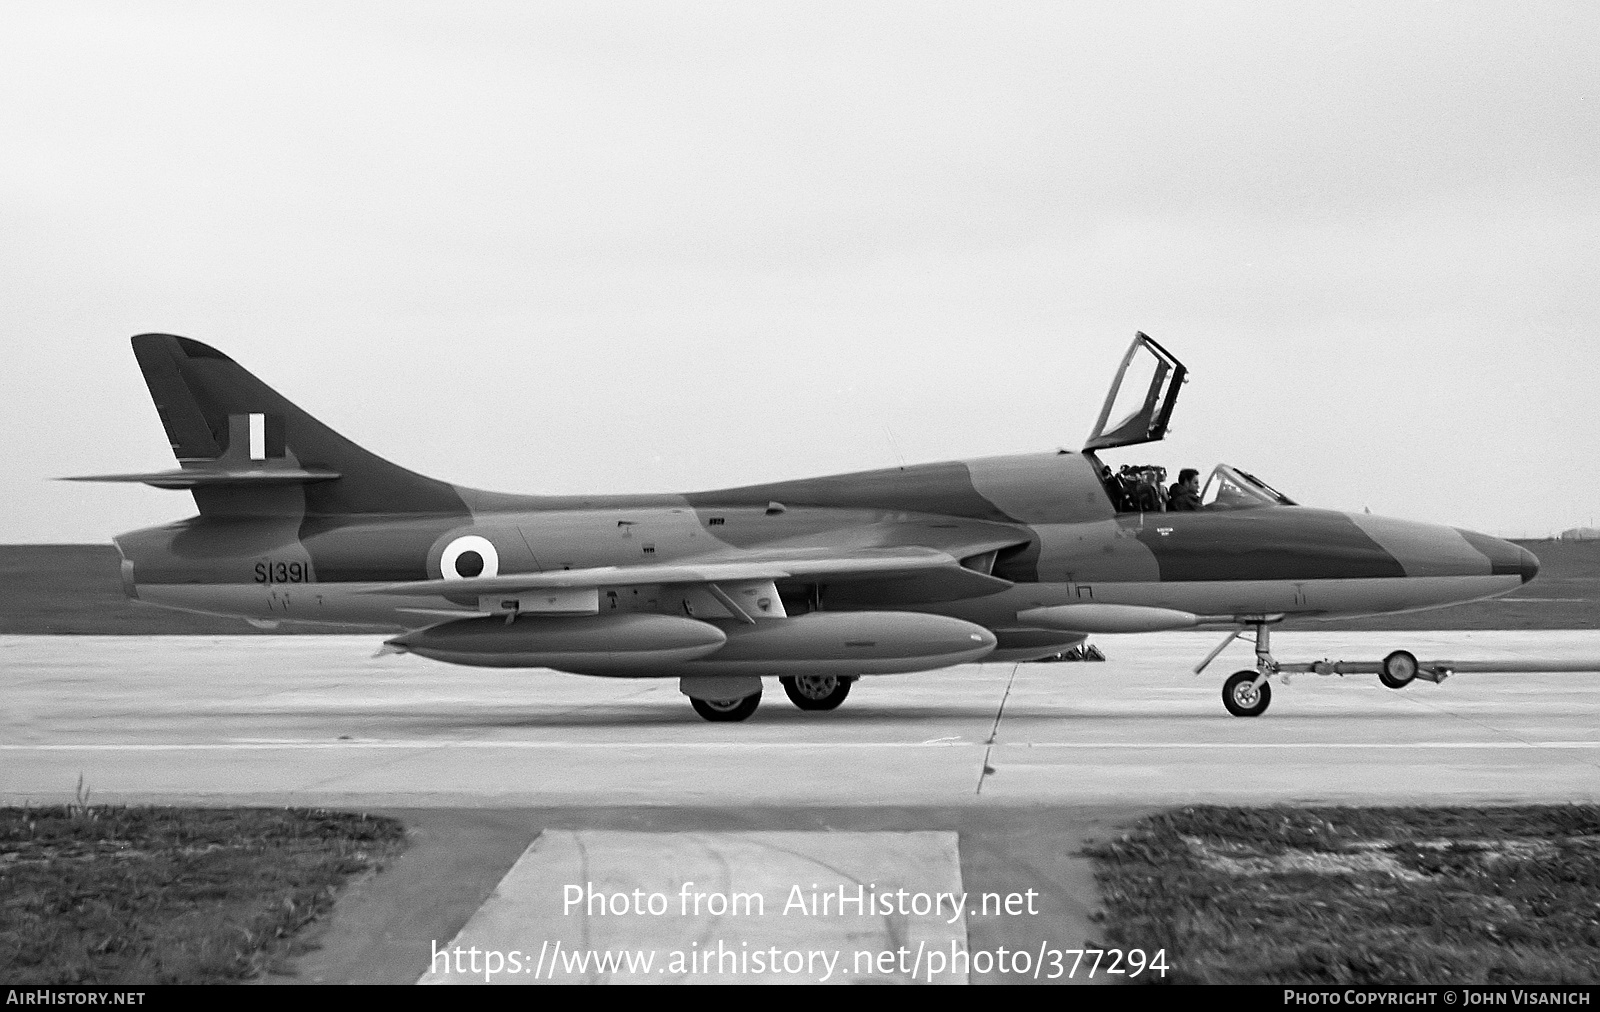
{"type": "Point", "coordinates": [1399, 668]}
{"type": "Point", "coordinates": [1243, 697]}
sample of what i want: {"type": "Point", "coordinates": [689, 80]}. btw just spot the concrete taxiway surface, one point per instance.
{"type": "Point", "coordinates": [318, 721]}
{"type": "Point", "coordinates": [985, 779]}
{"type": "Point", "coordinates": [484, 877]}
{"type": "Point", "coordinates": [800, 906]}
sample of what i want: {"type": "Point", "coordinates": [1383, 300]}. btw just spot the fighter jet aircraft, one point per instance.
{"type": "Point", "coordinates": [817, 581]}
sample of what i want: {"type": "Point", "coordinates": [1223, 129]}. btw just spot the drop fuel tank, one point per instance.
{"type": "Point", "coordinates": [591, 644]}
{"type": "Point", "coordinates": [845, 644]}
{"type": "Point", "coordinates": [820, 643]}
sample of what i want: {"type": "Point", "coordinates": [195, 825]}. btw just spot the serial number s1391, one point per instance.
{"type": "Point", "coordinates": [283, 572]}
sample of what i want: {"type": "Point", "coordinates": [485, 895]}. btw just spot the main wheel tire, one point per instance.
{"type": "Point", "coordinates": [1399, 668]}
{"type": "Point", "coordinates": [1243, 697]}
{"type": "Point", "coordinates": [726, 709]}
{"type": "Point", "coordinates": [816, 692]}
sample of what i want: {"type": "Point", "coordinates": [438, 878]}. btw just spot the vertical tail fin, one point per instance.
{"type": "Point", "coordinates": [249, 451]}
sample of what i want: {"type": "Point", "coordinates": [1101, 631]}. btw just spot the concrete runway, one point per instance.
{"type": "Point", "coordinates": [503, 776]}
{"type": "Point", "coordinates": [318, 721]}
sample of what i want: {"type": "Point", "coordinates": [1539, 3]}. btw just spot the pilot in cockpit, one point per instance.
{"type": "Point", "coordinates": [1185, 493]}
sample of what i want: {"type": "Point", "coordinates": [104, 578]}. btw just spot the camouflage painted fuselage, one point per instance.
{"type": "Point", "coordinates": [1053, 534]}
{"type": "Point", "coordinates": [298, 523]}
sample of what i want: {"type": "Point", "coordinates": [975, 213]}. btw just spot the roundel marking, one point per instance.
{"type": "Point", "coordinates": [469, 556]}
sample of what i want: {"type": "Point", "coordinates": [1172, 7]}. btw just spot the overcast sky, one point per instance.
{"type": "Point", "coordinates": [661, 247]}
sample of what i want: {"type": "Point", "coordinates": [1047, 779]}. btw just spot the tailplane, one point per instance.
{"type": "Point", "coordinates": [245, 450]}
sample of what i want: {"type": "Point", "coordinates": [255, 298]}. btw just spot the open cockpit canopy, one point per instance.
{"type": "Point", "coordinates": [1141, 397]}
{"type": "Point", "coordinates": [1141, 400]}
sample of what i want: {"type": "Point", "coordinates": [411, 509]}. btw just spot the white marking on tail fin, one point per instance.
{"type": "Point", "coordinates": [258, 437]}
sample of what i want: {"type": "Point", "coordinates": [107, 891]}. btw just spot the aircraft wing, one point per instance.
{"type": "Point", "coordinates": [794, 564]}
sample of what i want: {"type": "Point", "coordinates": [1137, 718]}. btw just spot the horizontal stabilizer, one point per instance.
{"type": "Point", "coordinates": [199, 477]}
{"type": "Point", "coordinates": [1107, 618]}
{"type": "Point", "coordinates": [868, 564]}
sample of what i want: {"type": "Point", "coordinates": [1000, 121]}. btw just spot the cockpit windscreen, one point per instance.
{"type": "Point", "coordinates": [1229, 488]}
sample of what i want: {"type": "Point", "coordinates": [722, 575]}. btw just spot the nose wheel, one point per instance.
{"type": "Point", "coordinates": [1243, 697]}
{"type": "Point", "coordinates": [1246, 693]}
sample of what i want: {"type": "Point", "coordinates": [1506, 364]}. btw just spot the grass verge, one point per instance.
{"type": "Point", "coordinates": [1360, 895]}
{"type": "Point", "coordinates": [102, 895]}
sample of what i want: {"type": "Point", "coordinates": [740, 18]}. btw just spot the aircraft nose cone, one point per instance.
{"type": "Point", "coordinates": [1505, 559]}
{"type": "Point", "coordinates": [1529, 566]}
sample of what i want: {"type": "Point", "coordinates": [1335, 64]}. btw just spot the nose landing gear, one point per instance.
{"type": "Point", "coordinates": [1246, 693]}
{"type": "Point", "coordinates": [1243, 697]}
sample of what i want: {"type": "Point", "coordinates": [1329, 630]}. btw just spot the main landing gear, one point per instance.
{"type": "Point", "coordinates": [816, 692]}
{"type": "Point", "coordinates": [734, 699]}
{"type": "Point", "coordinates": [726, 709]}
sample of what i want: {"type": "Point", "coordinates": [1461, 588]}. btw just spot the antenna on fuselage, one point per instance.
{"type": "Point", "coordinates": [895, 446]}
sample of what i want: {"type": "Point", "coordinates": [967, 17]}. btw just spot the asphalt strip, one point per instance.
{"type": "Point", "coordinates": [771, 746]}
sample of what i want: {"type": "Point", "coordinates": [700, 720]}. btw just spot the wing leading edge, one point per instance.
{"type": "Point", "coordinates": [865, 564]}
